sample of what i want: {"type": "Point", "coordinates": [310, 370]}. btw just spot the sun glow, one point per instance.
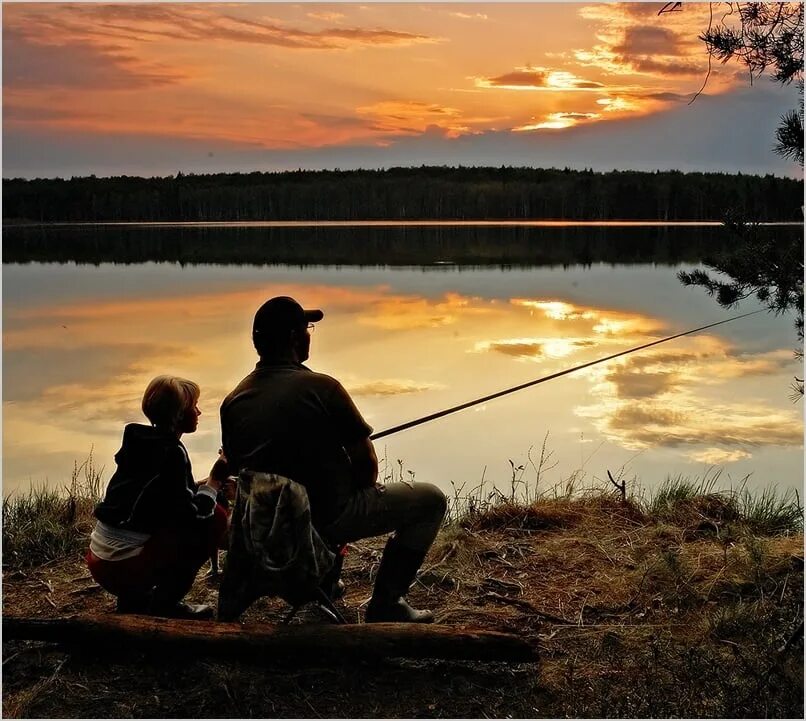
{"type": "Point", "coordinates": [607, 326]}
{"type": "Point", "coordinates": [617, 104]}
{"type": "Point", "coordinates": [555, 309]}
{"type": "Point", "coordinates": [563, 80]}
{"type": "Point", "coordinates": [560, 347]}
{"type": "Point", "coordinates": [556, 123]}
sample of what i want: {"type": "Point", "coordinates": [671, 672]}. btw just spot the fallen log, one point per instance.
{"type": "Point", "coordinates": [309, 643]}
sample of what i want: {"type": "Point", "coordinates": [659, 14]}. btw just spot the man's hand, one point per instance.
{"type": "Point", "coordinates": [364, 462]}
{"type": "Point", "coordinates": [219, 473]}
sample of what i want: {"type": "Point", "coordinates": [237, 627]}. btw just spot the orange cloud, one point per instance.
{"type": "Point", "coordinates": [285, 77]}
{"type": "Point", "coordinates": [73, 63]}
{"type": "Point", "coordinates": [634, 40]}
{"type": "Point", "coordinates": [558, 121]}
{"type": "Point", "coordinates": [137, 23]}
{"type": "Point", "coordinates": [412, 117]}
{"type": "Point", "coordinates": [155, 116]}
{"type": "Point", "coordinates": [536, 78]}
{"type": "Point", "coordinates": [469, 16]}
{"type": "Point", "coordinates": [330, 17]}
{"type": "Point", "coordinates": [60, 60]}
{"type": "Point", "coordinates": [616, 104]}
{"type": "Point", "coordinates": [225, 73]}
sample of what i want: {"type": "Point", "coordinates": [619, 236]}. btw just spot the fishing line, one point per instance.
{"type": "Point", "coordinates": [468, 404]}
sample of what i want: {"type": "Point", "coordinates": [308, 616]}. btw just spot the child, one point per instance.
{"type": "Point", "coordinates": [155, 527]}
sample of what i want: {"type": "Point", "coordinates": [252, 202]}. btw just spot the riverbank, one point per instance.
{"type": "Point", "coordinates": [687, 604]}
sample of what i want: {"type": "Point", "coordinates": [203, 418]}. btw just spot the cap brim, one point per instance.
{"type": "Point", "coordinates": [313, 315]}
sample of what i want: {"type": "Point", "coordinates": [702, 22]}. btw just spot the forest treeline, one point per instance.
{"type": "Point", "coordinates": [435, 247]}
{"type": "Point", "coordinates": [462, 193]}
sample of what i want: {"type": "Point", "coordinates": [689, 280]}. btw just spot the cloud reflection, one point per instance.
{"type": "Point", "coordinates": [390, 387]}
{"type": "Point", "coordinates": [591, 327]}
{"type": "Point", "coordinates": [534, 348]}
{"type": "Point", "coordinates": [408, 312]}
{"type": "Point", "coordinates": [519, 348]}
{"type": "Point", "coordinates": [597, 320]}
{"type": "Point", "coordinates": [719, 456]}
{"type": "Point", "coordinates": [694, 422]}
{"type": "Point", "coordinates": [634, 384]}
{"type": "Point", "coordinates": [658, 399]}
{"type": "Point", "coordinates": [382, 341]}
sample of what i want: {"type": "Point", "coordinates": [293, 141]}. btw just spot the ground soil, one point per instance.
{"type": "Point", "coordinates": [632, 618]}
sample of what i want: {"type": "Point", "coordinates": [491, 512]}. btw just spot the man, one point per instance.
{"type": "Point", "coordinates": [284, 418]}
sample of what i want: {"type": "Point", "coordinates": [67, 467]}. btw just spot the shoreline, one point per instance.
{"type": "Point", "coordinates": [633, 616]}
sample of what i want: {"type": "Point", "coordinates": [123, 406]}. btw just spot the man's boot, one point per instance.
{"type": "Point", "coordinates": [398, 570]}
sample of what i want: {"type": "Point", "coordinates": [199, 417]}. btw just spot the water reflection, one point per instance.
{"type": "Point", "coordinates": [78, 354]}
{"type": "Point", "coordinates": [449, 246]}
{"type": "Point", "coordinates": [687, 399]}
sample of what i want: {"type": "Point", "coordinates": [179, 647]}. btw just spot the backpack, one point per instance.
{"type": "Point", "coordinates": [273, 548]}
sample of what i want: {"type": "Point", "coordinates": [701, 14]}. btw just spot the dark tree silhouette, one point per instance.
{"type": "Point", "coordinates": [762, 263]}
{"type": "Point", "coordinates": [767, 38]}
{"type": "Point", "coordinates": [427, 192]}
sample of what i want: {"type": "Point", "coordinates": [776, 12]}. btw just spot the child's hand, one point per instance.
{"type": "Point", "coordinates": [230, 488]}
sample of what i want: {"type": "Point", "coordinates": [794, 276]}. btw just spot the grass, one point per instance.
{"type": "Point", "coordinates": [686, 602]}
{"type": "Point", "coordinates": [677, 491]}
{"type": "Point", "coordinates": [696, 501]}
{"type": "Point", "coordinates": [45, 524]}
{"type": "Point", "coordinates": [692, 503]}
{"type": "Point", "coordinates": [769, 514]}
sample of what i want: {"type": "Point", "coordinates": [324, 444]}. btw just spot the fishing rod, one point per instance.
{"type": "Point", "coordinates": [468, 404]}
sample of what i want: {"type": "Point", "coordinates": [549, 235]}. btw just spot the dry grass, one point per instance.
{"type": "Point", "coordinates": [641, 617]}
{"type": "Point", "coordinates": [688, 609]}
{"type": "Point", "coordinates": [45, 524]}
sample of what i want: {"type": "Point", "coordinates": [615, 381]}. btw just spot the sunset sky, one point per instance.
{"type": "Point", "coordinates": [151, 89]}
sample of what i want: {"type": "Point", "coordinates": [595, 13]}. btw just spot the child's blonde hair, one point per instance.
{"type": "Point", "coordinates": [167, 399]}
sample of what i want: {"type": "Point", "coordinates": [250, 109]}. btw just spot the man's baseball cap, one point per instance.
{"type": "Point", "coordinates": [282, 313]}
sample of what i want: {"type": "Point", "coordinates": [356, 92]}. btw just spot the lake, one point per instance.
{"type": "Point", "coordinates": [417, 319]}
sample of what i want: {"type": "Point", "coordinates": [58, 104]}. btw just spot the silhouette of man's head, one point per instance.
{"type": "Point", "coordinates": [280, 329]}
